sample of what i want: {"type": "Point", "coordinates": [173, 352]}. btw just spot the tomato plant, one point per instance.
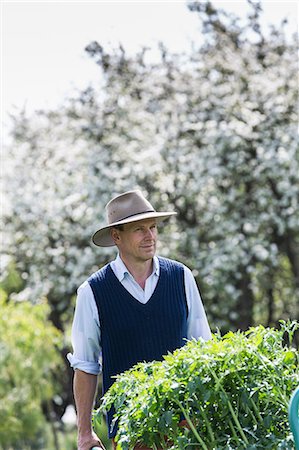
{"type": "Point", "coordinates": [233, 392]}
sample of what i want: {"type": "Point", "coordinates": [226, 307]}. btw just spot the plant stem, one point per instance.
{"type": "Point", "coordinates": [207, 422]}
{"type": "Point", "coordinates": [255, 408]}
{"type": "Point", "coordinates": [192, 427]}
{"type": "Point", "coordinates": [234, 415]}
{"type": "Point", "coordinates": [233, 431]}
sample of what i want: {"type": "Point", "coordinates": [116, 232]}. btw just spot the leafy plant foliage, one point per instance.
{"type": "Point", "coordinates": [233, 391]}
{"type": "Point", "coordinates": [29, 357]}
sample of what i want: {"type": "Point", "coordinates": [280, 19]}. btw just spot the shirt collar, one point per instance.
{"type": "Point", "coordinates": [121, 271]}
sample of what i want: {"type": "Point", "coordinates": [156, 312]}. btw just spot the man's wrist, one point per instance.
{"type": "Point", "coordinates": [85, 434]}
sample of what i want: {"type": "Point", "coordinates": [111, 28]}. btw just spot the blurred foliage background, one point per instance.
{"type": "Point", "coordinates": [212, 134]}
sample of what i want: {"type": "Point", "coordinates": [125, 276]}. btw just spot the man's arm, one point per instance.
{"type": "Point", "coordinates": [198, 325]}
{"type": "Point", "coordinates": [85, 361]}
{"type": "Point", "coordinates": [85, 387]}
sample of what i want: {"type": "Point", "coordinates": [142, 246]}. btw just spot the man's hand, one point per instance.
{"type": "Point", "coordinates": [88, 441]}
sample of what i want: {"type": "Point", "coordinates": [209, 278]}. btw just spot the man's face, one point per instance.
{"type": "Point", "coordinates": [137, 241]}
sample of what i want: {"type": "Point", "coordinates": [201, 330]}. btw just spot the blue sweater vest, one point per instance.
{"type": "Point", "coordinates": [133, 332]}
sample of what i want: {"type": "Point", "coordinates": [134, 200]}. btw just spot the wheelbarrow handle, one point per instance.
{"type": "Point", "coordinates": [294, 416]}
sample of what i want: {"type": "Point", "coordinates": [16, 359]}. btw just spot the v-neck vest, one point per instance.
{"type": "Point", "coordinates": [133, 332]}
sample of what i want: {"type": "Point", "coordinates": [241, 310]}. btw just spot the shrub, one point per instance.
{"type": "Point", "coordinates": [28, 358]}
{"type": "Point", "coordinates": [233, 392]}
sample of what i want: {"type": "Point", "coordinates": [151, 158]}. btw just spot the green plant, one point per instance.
{"type": "Point", "coordinates": [232, 390]}
{"type": "Point", "coordinates": [101, 430]}
{"type": "Point", "coordinates": [28, 358]}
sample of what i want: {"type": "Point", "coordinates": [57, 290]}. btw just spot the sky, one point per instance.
{"type": "Point", "coordinates": [43, 57]}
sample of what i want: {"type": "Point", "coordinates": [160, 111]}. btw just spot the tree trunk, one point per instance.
{"type": "Point", "coordinates": [270, 311]}
{"type": "Point", "coordinates": [245, 302]}
{"type": "Point", "coordinates": [292, 251]}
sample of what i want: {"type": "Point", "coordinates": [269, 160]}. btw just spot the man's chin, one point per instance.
{"type": "Point", "coordinates": [148, 253]}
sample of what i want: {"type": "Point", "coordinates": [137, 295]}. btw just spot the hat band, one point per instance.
{"type": "Point", "coordinates": [136, 214]}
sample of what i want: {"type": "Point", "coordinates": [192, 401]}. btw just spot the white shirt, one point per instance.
{"type": "Point", "coordinates": [86, 332]}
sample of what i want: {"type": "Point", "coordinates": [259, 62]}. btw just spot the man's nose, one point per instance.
{"type": "Point", "coordinates": [150, 234]}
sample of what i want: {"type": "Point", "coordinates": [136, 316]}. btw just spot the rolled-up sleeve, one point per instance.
{"type": "Point", "coordinates": [198, 325]}
{"type": "Point", "coordinates": [86, 333]}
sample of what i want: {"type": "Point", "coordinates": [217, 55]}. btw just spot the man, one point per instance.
{"type": "Point", "coordinates": [137, 308]}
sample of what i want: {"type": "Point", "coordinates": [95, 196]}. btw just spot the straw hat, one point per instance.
{"type": "Point", "coordinates": [125, 208]}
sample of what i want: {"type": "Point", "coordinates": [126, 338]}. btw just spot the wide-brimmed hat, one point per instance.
{"type": "Point", "coordinates": [125, 208]}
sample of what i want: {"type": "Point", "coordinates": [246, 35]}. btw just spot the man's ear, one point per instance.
{"type": "Point", "coordinates": [114, 234]}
